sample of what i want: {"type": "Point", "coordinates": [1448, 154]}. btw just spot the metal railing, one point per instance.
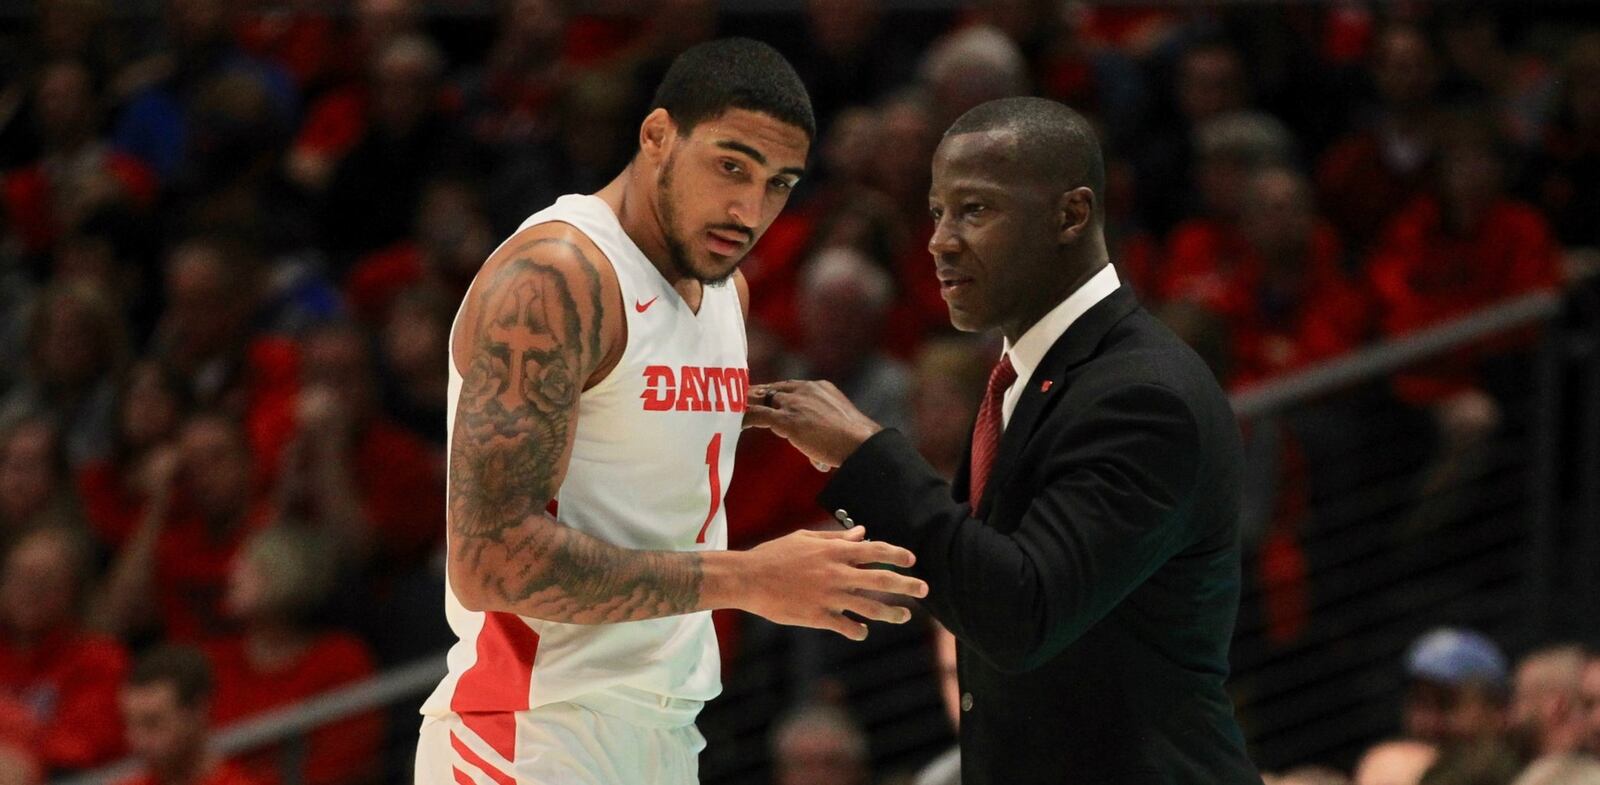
{"type": "Point", "coordinates": [1313, 698]}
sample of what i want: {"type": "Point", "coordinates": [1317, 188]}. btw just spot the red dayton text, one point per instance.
{"type": "Point", "coordinates": [695, 389]}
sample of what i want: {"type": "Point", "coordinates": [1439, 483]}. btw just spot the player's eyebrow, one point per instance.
{"type": "Point", "coordinates": [755, 155]}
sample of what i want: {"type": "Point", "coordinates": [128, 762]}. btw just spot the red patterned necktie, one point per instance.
{"type": "Point", "coordinates": [986, 433]}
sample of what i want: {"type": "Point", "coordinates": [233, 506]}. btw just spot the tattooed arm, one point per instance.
{"type": "Point", "coordinates": [543, 319]}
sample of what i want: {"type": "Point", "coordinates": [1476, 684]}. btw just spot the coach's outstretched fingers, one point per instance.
{"type": "Point", "coordinates": [814, 416]}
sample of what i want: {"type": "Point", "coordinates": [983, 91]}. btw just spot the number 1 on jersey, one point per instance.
{"type": "Point", "coordinates": [713, 457]}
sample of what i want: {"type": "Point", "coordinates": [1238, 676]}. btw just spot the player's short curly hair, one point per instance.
{"type": "Point", "coordinates": [734, 73]}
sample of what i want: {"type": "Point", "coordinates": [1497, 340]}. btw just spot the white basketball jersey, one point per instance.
{"type": "Point", "coordinates": [652, 458]}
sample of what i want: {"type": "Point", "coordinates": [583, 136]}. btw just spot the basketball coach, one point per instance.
{"type": "Point", "coordinates": [1087, 558]}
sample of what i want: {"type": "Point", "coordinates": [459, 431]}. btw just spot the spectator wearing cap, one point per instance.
{"type": "Point", "coordinates": [1457, 688]}
{"type": "Point", "coordinates": [1546, 717]}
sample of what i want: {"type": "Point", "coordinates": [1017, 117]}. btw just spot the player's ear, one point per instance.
{"type": "Point", "coordinates": [1074, 215]}
{"type": "Point", "coordinates": [655, 134]}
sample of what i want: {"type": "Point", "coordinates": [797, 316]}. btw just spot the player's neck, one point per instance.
{"type": "Point", "coordinates": [628, 197]}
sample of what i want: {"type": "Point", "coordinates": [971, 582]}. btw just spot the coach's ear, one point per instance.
{"type": "Point", "coordinates": [1074, 214]}
{"type": "Point", "coordinates": [656, 134]}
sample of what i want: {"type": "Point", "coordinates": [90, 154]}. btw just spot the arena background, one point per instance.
{"type": "Point", "coordinates": [232, 237]}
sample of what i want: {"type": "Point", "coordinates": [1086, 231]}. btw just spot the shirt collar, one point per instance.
{"type": "Point", "coordinates": [1030, 349]}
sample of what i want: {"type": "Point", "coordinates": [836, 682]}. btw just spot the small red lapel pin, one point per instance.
{"type": "Point", "coordinates": [1045, 385]}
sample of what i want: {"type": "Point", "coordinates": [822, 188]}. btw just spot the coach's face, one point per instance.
{"type": "Point", "coordinates": [721, 185]}
{"type": "Point", "coordinates": [997, 234]}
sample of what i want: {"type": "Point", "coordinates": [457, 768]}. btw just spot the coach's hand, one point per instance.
{"type": "Point", "coordinates": [814, 416]}
{"type": "Point", "coordinates": [810, 578]}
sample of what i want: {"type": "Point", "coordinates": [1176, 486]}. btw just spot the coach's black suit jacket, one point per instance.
{"type": "Point", "coordinates": [1093, 592]}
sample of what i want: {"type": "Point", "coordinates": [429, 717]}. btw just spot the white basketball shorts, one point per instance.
{"type": "Point", "coordinates": [555, 744]}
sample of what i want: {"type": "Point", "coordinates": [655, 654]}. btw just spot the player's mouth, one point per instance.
{"type": "Point", "coordinates": [725, 243]}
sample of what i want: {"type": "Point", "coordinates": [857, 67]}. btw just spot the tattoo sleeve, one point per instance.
{"type": "Point", "coordinates": [536, 338]}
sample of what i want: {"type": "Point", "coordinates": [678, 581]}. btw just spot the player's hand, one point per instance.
{"type": "Point", "coordinates": [810, 578]}
{"type": "Point", "coordinates": [814, 416]}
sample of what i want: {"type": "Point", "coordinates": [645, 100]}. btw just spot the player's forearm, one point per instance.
{"type": "Point", "coordinates": [545, 570]}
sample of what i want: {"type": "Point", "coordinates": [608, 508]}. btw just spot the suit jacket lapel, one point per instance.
{"type": "Point", "coordinates": [961, 484]}
{"type": "Point", "coordinates": [1077, 344]}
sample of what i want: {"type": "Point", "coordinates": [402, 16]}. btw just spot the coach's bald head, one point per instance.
{"type": "Point", "coordinates": [1051, 145]}
{"type": "Point", "coordinates": [1018, 223]}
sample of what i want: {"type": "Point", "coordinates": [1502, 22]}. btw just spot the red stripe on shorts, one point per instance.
{"type": "Point", "coordinates": [461, 777]}
{"type": "Point", "coordinates": [498, 682]}
{"type": "Point", "coordinates": [475, 759]}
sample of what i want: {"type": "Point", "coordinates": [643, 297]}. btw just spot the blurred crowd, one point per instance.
{"type": "Point", "coordinates": [233, 236]}
{"type": "Point", "coordinates": [1469, 717]}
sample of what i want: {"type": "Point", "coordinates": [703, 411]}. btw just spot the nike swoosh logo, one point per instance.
{"type": "Point", "coordinates": [645, 306]}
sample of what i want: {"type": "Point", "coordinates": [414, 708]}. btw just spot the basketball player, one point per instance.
{"type": "Point", "coordinates": [597, 389]}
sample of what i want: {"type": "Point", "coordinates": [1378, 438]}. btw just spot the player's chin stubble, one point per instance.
{"type": "Point", "coordinates": [677, 251]}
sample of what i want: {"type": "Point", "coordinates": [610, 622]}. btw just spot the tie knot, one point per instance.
{"type": "Point", "coordinates": [1003, 375]}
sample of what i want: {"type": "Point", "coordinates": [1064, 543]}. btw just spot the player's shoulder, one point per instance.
{"type": "Point", "coordinates": [550, 246]}
{"type": "Point", "coordinates": [551, 254]}
{"type": "Point", "coordinates": [742, 287]}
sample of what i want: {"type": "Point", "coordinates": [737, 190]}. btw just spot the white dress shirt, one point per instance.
{"type": "Point", "coordinates": [1030, 349]}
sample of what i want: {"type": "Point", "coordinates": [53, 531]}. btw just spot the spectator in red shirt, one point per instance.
{"type": "Point", "coordinates": [1229, 149]}
{"type": "Point", "coordinates": [201, 504]}
{"type": "Point", "coordinates": [283, 574]}
{"type": "Point", "coordinates": [1361, 177]}
{"type": "Point", "coordinates": [1284, 299]}
{"type": "Point", "coordinates": [165, 704]}
{"type": "Point", "coordinates": [372, 485]}
{"type": "Point", "coordinates": [76, 171]}
{"type": "Point", "coordinates": [1447, 254]}
{"type": "Point", "coordinates": [60, 679]}
{"type": "Point", "coordinates": [150, 407]}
